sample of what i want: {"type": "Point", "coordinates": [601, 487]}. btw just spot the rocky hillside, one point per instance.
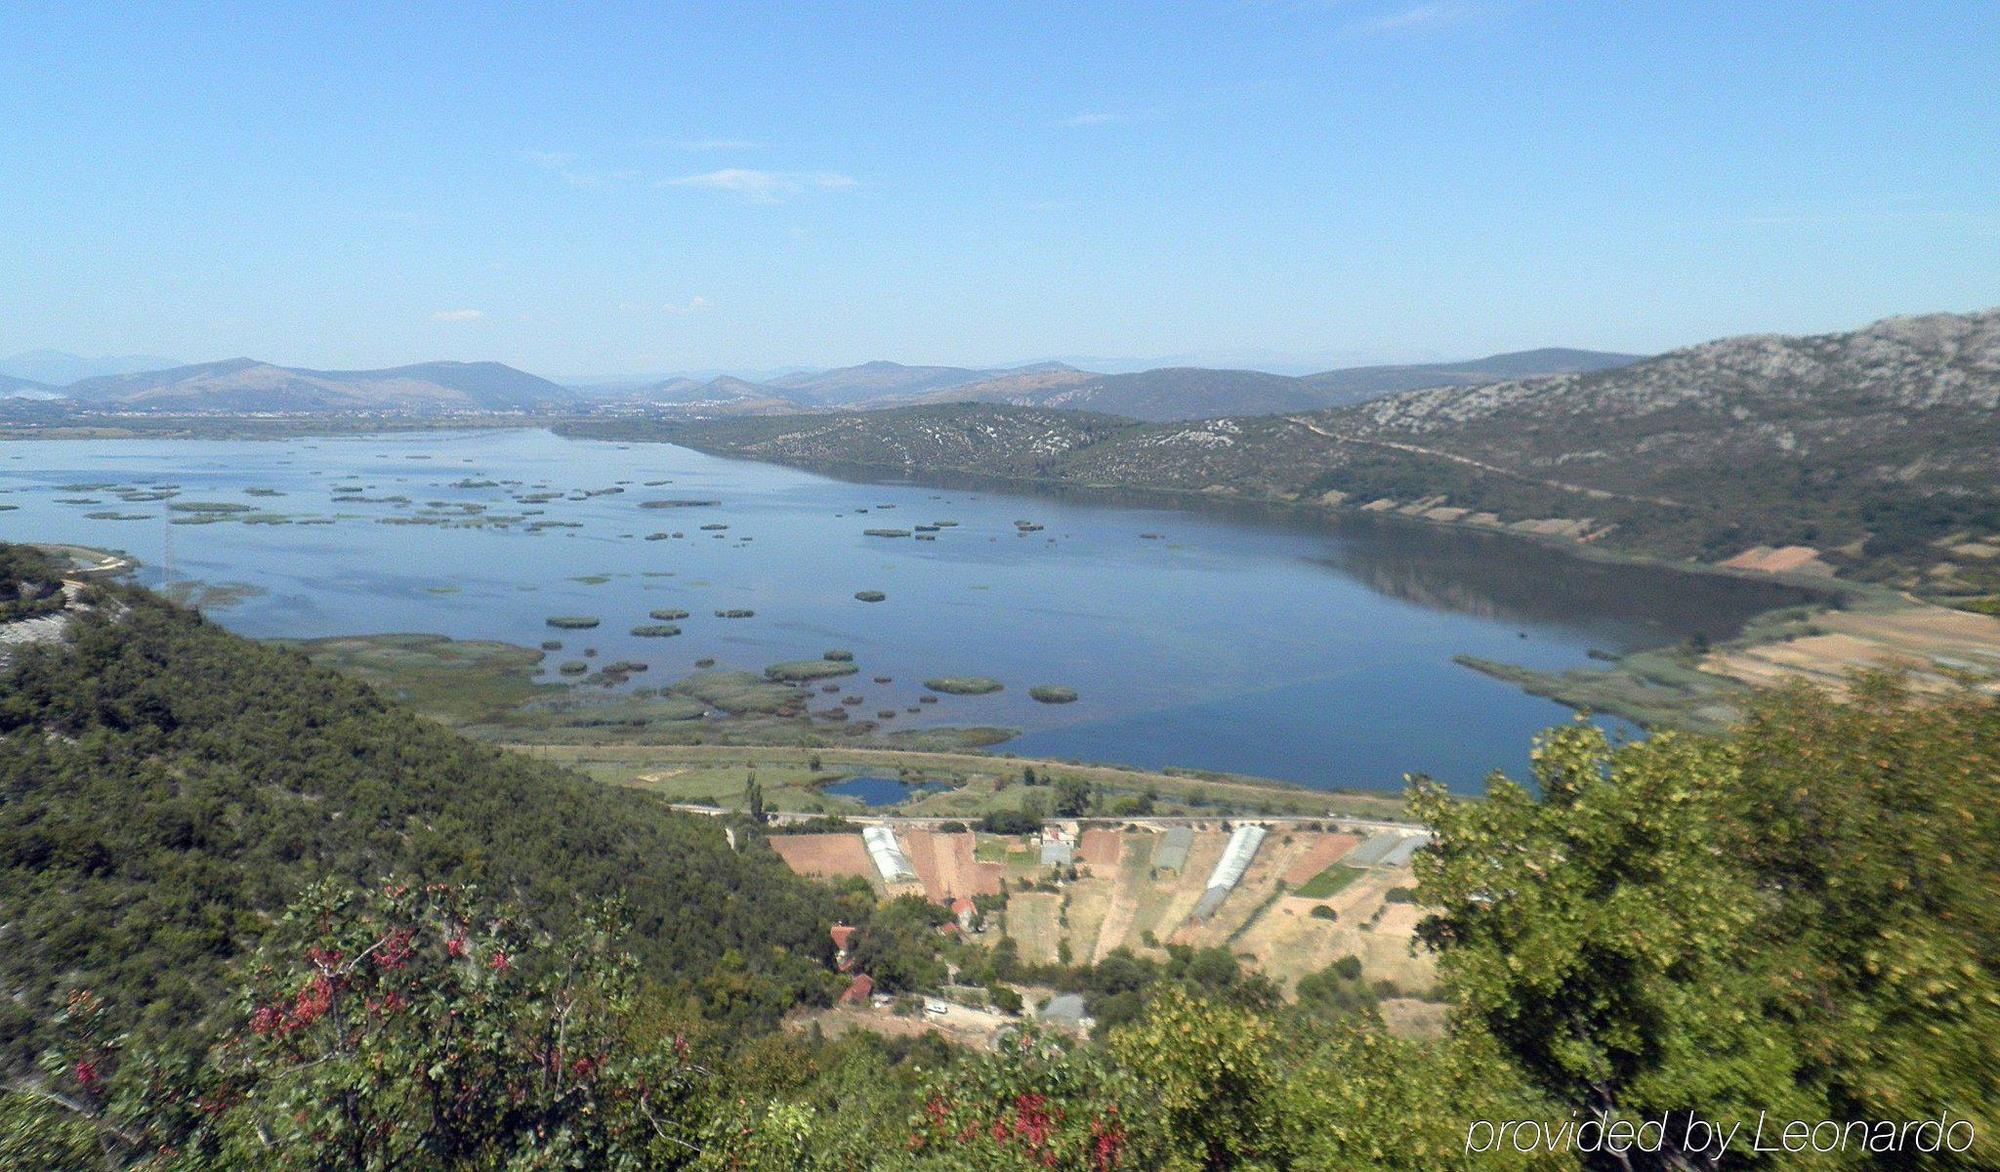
{"type": "Point", "coordinates": [1874, 453]}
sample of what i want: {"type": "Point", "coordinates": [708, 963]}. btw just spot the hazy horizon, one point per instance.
{"type": "Point", "coordinates": [25, 362]}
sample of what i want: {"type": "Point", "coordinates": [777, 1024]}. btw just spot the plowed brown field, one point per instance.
{"type": "Point", "coordinates": [829, 856]}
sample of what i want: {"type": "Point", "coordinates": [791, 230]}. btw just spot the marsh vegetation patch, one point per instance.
{"type": "Point", "coordinates": [964, 685]}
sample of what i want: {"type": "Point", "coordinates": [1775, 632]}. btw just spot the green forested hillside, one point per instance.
{"type": "Point", "coordinates": [166, 787]}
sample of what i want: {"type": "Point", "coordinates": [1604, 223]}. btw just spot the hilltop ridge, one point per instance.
{"type": "Point", "coordinates": [1877, 449]}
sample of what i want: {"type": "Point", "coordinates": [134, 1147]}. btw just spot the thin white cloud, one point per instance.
{"type": "Point", "coordinates": [717, 144]}
{"type": "Point", "coordinates": [694, 305]}
{"type": "Point", "coordinates": [1093, 118]}
{"type": "Point", "coordinates": [553, 160]}
{"type": "Point", "coordinates": [764, 186]}
{"type": "Point", "coordinates": [450, 316]}
{"type": "Point", "coordinates": [1425, 18]}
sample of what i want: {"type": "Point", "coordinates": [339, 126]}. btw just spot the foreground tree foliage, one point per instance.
{"type": "Point", "coordinates": [417, 1027]}
{"type": "Point", "coordinates": [1801, 920]}
{"type": "Point", "coordinates": [403, 1027]}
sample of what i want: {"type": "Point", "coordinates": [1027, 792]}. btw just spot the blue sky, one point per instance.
{"type": "Point", "coordinates": [583, 189]}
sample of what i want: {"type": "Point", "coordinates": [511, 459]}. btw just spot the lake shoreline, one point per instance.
{"type": "Point", "coordinates": [1284, 639]}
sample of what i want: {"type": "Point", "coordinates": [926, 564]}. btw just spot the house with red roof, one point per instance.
{"type": "Point", "coordinates": [858, 990]}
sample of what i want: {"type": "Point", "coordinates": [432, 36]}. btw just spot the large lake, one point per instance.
{"type": "Point", "coordinates": [1314, 652]}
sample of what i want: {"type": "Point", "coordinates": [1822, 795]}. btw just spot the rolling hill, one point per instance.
{"type": "Point", "coordinates": [24, 388]}
{"type": "Point", "coordinates": [725, 395]}
{"type": "Point", "coordinates": [1354, 383]}
{"type": "Point", "coordinates": [1190, 392]}
{"type": "Point", "coordinates": [867, 386]}
{"type": "Point", "coordinates": [1879, 449]}
{"type": "Point", "coordinates": [247, 385]}
{"type": "Point", "coordinates": [875, 381]}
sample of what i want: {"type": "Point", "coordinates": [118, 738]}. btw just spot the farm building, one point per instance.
{"type": "Point", "coordinates": [843, 946]}
{"type": "Point", "coordinates": [1173, 852]}
{"type": "Point", "coordinates": [1236, 856]}
{"type": "Point", "coordinates": [965, 912]}
{"type": "Point", "coordinates": [890, 862]}
{"type": "Point", "coordinates": [1372, 852]}
{"type": "Point", "coordinates": [1057, 853]}
{"type": "Point", "coordinates": [1400, 856]}
{"type": "Point", "coordinates": [858, 990]}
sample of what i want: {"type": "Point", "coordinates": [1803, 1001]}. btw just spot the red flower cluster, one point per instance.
{"type": "Point", "coordinates": [1030, 1123]}
{"type": "Point", "coordinates": [1033, 1122]}
{"type": "Point", "coordinates": [1107, 1141]}
{"type": "Point", "coordinates": [390, 1003]}
{"type": "Point", "coordinates": [86, 1074]}
{"type": "Point", "coordinates": [395, 950]}
{"type": "Point", "coordinates": [307, 1007]}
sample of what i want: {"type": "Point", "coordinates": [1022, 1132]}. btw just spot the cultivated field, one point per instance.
{"type": "Point", "coordinates": [946, 865]}
{"type": "Point", "coordinates": [1316, 856]}
{"type": "Point", "coordinates": [825, 856]}
{"type": "Point", "coordinates": [1120, 899]}
{"type": "Point", "coordinates": [1930, 642]}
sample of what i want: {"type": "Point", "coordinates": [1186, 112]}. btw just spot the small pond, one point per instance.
{"type": "Point", "coordinates": [882, 791]}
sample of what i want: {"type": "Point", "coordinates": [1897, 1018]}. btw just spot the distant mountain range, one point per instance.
{"type": "Point", "coordinates": [1878, 448]}
{"type": "Point", "coordinates": [1202, 393]}
{"type": "Point", "coordinates": [247, 385]}
{"type": "Point", "coordinates": [1164, 394]}
{"type": "Point", "coordinates": [869, 385]}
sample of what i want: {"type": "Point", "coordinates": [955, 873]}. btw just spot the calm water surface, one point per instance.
{"type": "Point", "coordinates": [1315, 653]}
{"type": "Point", "coordinates": [880, 791]}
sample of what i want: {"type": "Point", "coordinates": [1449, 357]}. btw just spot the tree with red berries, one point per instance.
{"type": "Point", "coordinates": [407, 1027]}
